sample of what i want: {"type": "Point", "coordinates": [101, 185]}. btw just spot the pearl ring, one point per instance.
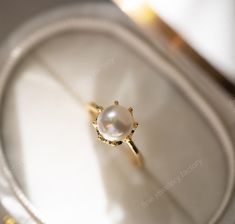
{"type": "Point", "coordinates": [115, 125]}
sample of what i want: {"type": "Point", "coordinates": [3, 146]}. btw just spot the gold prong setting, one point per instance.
{"type": "Point", "coordinates": [118, 115]}
{"type": "Point", "coordinates": [116, 102]}
{"type": "Point", "coordinates": [131, 110]}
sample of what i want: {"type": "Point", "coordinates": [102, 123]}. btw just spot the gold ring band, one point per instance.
{"type": "Point", "coordinates": [136, 155]}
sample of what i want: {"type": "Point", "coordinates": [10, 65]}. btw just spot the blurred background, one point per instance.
{"type": "Point", "coordinates": [207, 25]}
{"type": "Point", "coordinates": [187, 119]}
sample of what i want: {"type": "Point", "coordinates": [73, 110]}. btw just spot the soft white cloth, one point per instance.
{"type": "Point", "coordinates": [207, 25]}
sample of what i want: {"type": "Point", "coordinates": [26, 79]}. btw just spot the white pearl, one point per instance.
{"type": "Point", "coordinates": [115, 123]}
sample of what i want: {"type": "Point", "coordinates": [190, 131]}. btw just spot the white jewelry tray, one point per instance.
{"type": "Point", "coordinates": [186, 131]}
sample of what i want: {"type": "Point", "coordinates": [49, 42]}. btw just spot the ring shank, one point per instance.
{"type": "Point", "coordinates": [137, 157]}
